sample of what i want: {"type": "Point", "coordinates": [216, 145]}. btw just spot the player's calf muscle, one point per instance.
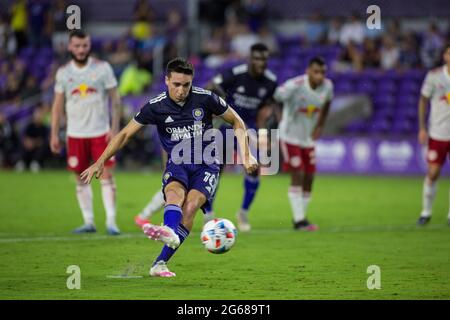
{"type": "Point", "coordinates": [193, 203]}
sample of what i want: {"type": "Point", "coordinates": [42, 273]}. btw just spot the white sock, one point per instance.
{"type": "Point", "coordinates": [306, 199]}
{"type": "Point", "coordinates": [154, 205]}
{"type": "Point", "coordinates": [429, 191]}
{"type": "Point", "coordinates": [243, 213]}
{"type": "Point", "coordinates": [84, 196]}
{"type": "Point", "coordinates": [296, 200]}
{"type": "Point", "coordinates": [109, 201]}
{"type": "Point", "coordinates": [208, 216]}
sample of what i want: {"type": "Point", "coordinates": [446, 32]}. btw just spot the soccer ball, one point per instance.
{"type": "Point", "coordinates": [218, 235]}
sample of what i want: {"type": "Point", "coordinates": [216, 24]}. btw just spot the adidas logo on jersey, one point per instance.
{"type": "Point", "coordinates": [169, 119]}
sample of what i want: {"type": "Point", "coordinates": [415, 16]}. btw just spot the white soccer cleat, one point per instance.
{"type": "Point", "coordinates": [163, 234]}
{"type": "Point", "coordinates": [160, 270]}
{"type": "Point", "coordinates": [243, 224]}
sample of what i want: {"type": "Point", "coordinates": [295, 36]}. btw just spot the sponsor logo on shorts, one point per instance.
{"type": "Point", "coordinates": [72, 161]}
{"type": "Point", "coordinates": [295, 162]}
{"type": "Point", "coordinates": [432, 155]}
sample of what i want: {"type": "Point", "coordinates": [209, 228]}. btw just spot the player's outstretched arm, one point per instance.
{"type": "Point", "coordinates": [117, 143]}
{"type": "Point", "coordinates": [423, 103]}
{"type": "Point", "coordinates": [116, 108]}
{"type": "Point", "coordinates": [240, 131]}
{"type": "Point", "coordinates": [57, 111]}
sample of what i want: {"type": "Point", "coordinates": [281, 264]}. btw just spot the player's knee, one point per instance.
{"type": "Point", "coordinates": [433, 173]}
{"type": "Point", "coordinates": [296, 178]}
{"type": "Point", "coordinates": [174, 196]}
{"type": "Point", "coordinates": [79, 181]}
{"type": "Point", "coordinates": [106, 175]}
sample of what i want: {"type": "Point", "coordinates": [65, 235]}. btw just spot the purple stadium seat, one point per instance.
{"type": "Point", "coordinates": [344, 87]}
{"type": "Point", "coordinates": [402, 126]}
{"type": "Point", "coordinates": [384, 113]}
{"type": "Point", "coordinates": [409, 86]}
{"type": "Point", "coordinates": [365, 86]}
{"type": "Point", "coordinates": [357, 127]}
{"type": "Point", "coordinates": [387, 100]}
{"type": "Point", "coordinates": [380, 126]}
{"type": "Point", "coordinates": [407, 99]}
{"type": "Point", "coordinates": [387, 86]}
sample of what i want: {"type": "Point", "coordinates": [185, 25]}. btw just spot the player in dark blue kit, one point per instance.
{"type": "Point", "coordinates": [248, 88]}
{"type": "Point", "coordinates": [182, 114]}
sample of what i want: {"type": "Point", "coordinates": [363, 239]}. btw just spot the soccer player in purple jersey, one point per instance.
{"type": "Point", "coordinates": [181, 114]}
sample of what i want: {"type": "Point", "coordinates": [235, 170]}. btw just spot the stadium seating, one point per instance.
{"type": "Point", "coordinates": [394, 94]}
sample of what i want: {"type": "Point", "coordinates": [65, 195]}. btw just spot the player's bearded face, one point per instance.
{"type": "Point", "coordinates": [80, 49]}
{"type": "Point", "coordinates": [178, 85]}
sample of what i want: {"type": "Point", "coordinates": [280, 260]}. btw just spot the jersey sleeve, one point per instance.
{"type": "Point", "coordinates": [427, 86]}
{"type": "Point", "coordinates": [59, 82]}
{"type": "Point", "coordinates": [224, 80]}
{"type": "Point", "coordinates": [285, 91]}
{"type": "Point", "coordinates": [146, 115]}
{"type": "Point", "coordinates": [217, 105]}
{"type": "Point", "coordinates": [110, 80]}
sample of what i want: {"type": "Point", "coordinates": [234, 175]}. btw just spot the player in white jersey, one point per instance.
{"type": "Point", "coordinates": [306, 100]}
{"type": "Point", "coordinates": [83, 86]}
{"type": "Point", "coordinates": [435, 89]}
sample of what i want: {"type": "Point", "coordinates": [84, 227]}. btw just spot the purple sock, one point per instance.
{"type": "Point", "coordinates": [251, 185]}
{"type": "Point", "coordinates": [172, 216]}
{"type": "Point", "coordinates": [167, 252]}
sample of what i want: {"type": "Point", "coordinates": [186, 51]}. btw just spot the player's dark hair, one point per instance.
{"type": "Point", "coordinates": [179, 65]}
{"type": "Point", "coordinates": [317, 60]}
{"type": "Point", "coordinates": [77, 34]}
{"type": "Point", "coordinates": [259, 47]}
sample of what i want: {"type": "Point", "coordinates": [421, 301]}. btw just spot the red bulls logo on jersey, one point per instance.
{"type": "Point", "coordinates": [445, 98]}
{"type": "Point", "coordinates": [309, 110]}
{"type": "Point", "coordinates": [83, 90]}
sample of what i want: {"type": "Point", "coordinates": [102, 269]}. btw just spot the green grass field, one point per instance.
{"type": "Point", "coordinates": [364, 221]}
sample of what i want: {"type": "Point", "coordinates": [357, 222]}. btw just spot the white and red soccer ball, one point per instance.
{"type": "Point", "coordinates": [218, 235]}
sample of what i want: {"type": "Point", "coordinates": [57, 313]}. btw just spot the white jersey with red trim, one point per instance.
{"type": "Point", "coordinates": [86, 97]}
{"type": "Point", "coordinates": [436, 87]}
{"type": "Point", "coordinates": [301, 108]}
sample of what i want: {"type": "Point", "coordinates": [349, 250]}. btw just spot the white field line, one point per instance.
{"type": "Point", "coordinates": [342, 229]}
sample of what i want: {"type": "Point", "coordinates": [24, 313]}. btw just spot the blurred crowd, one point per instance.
{"type": "Point", "coordinates": [234, 28]}
{"type": "Point", "coordinates": [36, 26]}
{"type": "Point", "coordinates": [37, 29]}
